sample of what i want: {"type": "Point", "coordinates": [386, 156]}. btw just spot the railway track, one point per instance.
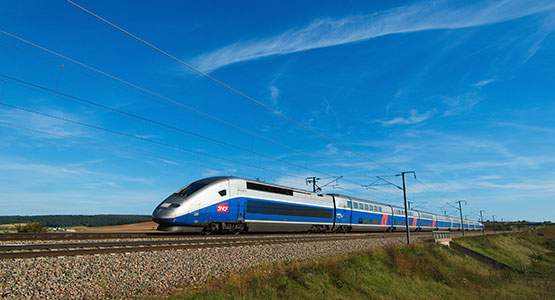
{"type": "Point", "coordinates": [88, 248]}
{"type": "Point", "coordinates": [5, 237]}
{"type": "Point", "coordinates": [30, 250]}
{"type": "Point", "coordinates": [83, 236]}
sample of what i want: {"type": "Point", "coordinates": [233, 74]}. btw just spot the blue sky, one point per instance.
{"type": "Point", "coordinates": [459, 91]}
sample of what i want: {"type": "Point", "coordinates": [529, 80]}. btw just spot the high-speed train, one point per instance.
{"type": "Point", "coordinates": [231, 204]}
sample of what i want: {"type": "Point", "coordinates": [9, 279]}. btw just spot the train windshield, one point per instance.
{"type": "Point", "coordinates": [195, 186]}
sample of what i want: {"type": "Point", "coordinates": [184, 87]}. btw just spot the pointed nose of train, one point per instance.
{"type": "Point", "coordinates": [163, 213]}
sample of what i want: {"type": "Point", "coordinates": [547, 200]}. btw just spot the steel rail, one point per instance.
{"type": "Point", "coordinates": [45, 250]}
{"type": "Point", "coordinates": [82, 235]}
{"type": "Point", "coordinates": [58, 236]}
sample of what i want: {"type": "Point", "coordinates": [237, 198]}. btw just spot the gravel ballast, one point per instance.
{"type": "Point", "coordinates": [129, 275]}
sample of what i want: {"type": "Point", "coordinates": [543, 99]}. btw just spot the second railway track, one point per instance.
{"type": "Point", "coordinates": [87, 248]}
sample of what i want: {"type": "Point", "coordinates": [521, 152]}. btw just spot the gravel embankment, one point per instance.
{"type": "Point", "coordinates": [133, 275]}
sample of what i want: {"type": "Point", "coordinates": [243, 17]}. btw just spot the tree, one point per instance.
{"type": "Point", "coordinates": [31, 227]}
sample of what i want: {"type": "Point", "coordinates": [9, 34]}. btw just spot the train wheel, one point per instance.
{"type": "Point", "coordinates": [211, 228]}
{"type": "Point", "coordinates": [238, 229]}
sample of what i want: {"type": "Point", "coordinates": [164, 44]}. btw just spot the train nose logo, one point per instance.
{"type": "Point", "coordinates": [223, 208]}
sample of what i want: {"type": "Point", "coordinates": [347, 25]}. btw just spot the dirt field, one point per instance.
{"type": "Point", "coordinates": [144, 226]}
{"type": "Point", "coordinates": [548, 230]}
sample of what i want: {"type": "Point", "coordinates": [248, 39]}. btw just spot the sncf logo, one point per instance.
{"type": "Point", "coordinates": [223, 208]}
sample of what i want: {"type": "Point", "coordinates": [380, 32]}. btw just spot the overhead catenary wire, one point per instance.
{"type": "Point", "coordinates": [112, 147]}
{"type": "Point", "coordinates": [231, 88]}
{"type": "Point", "coordinates": [433, 190]}
{"type": "Point", "coordinates": [143, 139]}
{"type": "Point", "coordinates": [154, 94]}
{"type": "Point", "coordinates": [151, 141]}
{"type": "Point", "coordinates": [160, 124]}
{"type": "Point", "coordinates": [27, 84]}
{"type": "Point", "coordinates": [163, 98]}
{"type": "Point", "coordinates": [197, 111]}
{"type": "Point", "coordinates": [122, 149]}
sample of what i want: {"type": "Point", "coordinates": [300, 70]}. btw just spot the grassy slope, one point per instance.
{"type": "Point", "coordinates": [427, 271]}
{"type": "Point", "coordinates": [526, 251]}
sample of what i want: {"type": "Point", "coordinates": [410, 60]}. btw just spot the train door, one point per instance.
{"type": "Point", "coordinates": [334, 212]}
{"type": "Point", "coordinates": [350, 211]}
{"type": "Point", "coordinates": [240, 209]}
{"type": "Point", "coordinates": [240, 203]}
{"type": "Point", "coordinates": [392, 224]}
{"type": "Point", "coordinates": [222, 211]}
{"type": "Point", "coordinates": [418, 221]}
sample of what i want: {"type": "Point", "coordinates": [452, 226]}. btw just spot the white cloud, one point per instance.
{"type": "Point", "coordinates": [460, 104]}
{"type": "Point", "coordinates": [47, 124]}
{"type": "Point", "coordinates": [330, 32]}
{"type": "Point", "coordinates": [527, 127]}
{"type": "Point", "coordinates": [53, 171]}
{"type": "Point", "coordinates": [331, 149]}
{"type": "Point", "coordinates": [414, 118]}
{"type": "Point", "coordinates": [484, 82]}
{"type": "Point", "coordinates": [274, 94]}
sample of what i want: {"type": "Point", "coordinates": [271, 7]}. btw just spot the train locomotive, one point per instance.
{"type": "Point", "coordinates": [234, 205]}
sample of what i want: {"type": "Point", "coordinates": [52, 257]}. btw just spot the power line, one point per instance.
{"type": "Point", "coordinates": [143, 139]}
{"type": "Point", "coordinates": [231, 88]}
{"type": "Point", "coordinates": [112, 147]}
{"type": "Point", "coordinates": [160, 124]}
{"type": "Point", "coordinates": [148, 140]}
{"type": "Point", "coordinates": [104, 145]}
{"type": "Point", "coordinates": [166, 99]}
{"type": "Point", "coordinates": [431, 189]}
{"type": "Point", "coordinates": [179, 104]}
{"type": "Point", "coordinates": [27, 84]}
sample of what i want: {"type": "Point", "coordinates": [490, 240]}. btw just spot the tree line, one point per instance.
{"type": "Point", "coordinates": [76, 220]}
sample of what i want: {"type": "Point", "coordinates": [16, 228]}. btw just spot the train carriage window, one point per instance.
{"type": "Point", "coordinates": [380, 209]}
{"type": "Point", "coordinates": [269, 189]}
{"type": "Point", "coordinates": [365, 221]}
{"type": "Point", "coordinates": [360, 220]}
{"type": "Point", "coordinates": [195, 186]}
{"type": "Point", "coordinates": [272, 208]}
{"type": "Point", "coordinates": [349, 204]}
{"type": "Point", "coordinates": [355, 205]}
{"type": "Point", "coordinates": [366, 206]}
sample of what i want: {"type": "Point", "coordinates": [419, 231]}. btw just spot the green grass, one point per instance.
{"type": "Point", "coordinates": [526, 251]}
{"type": "Point", "coordinates": [428, 271]}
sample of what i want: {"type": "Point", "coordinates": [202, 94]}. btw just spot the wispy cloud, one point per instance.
{"type": "Point", "coordinates": [526, 127]}
{"type": "Point", "coordinates": [47, 124]}
{"type": "Point", "coordinates": [414, 118]}
{"type": "Point", "coordinates": [484, 82]}
{"type": "Point", "coordinates": [331, 32]}
{"type": "Point", "coordinates": [460, 104]}
{"type": "Point", "coordinates": [330, 109]}
{"type": "Point", "coordinates": [52, 172]}
{"type": "Point", "coordinates": [274, 94]}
